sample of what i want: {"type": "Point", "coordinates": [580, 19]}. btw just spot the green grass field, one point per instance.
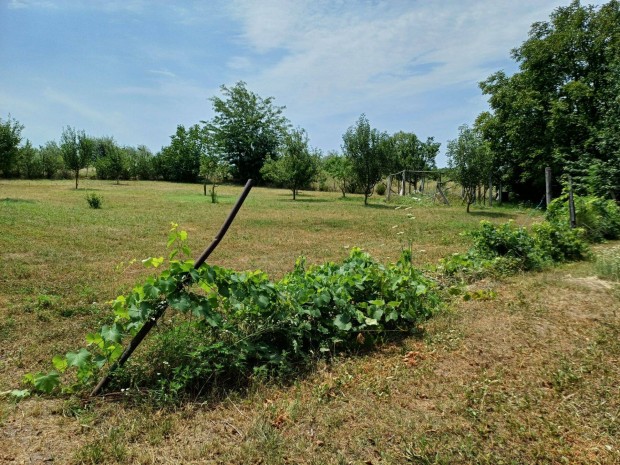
{"type": "Point", "coordinates": [527, 373]}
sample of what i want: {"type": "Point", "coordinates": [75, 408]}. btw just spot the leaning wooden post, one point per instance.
{"type": "Point", "coordinates": [548, 185]}
{"type": "Point", "coordinates": [571, 204]}
{"type": "Point", "coordinates": [162, 306]}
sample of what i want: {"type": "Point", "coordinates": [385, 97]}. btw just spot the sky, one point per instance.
{"type": "Point", "coordinates": [135, 69]}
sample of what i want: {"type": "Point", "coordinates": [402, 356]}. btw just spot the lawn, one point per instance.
{"type": "Point", "coordinates": [526, 373]}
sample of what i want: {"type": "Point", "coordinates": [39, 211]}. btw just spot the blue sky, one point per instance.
{"type": "Point", "coordinates": [135, 69]}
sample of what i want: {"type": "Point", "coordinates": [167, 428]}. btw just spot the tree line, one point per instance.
{"type": "Point", "coordinates": [560, 110]}
{"type": "Point", "coordinates": [248, 137]}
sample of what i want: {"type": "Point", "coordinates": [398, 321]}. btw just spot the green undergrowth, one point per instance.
{"type": "Point", "coordinates": [241, 325]}
{"type": "Point", "coordinates": [506, 249]}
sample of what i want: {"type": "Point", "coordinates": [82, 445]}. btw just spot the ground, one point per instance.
{"type": "Point", "coordinates": [526, 371]}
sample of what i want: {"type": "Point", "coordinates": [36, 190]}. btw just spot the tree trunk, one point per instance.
{"type": "Point", "coordinates": [77, 175]}
{"type": "Point", "coordinates": [294, 193]}
{"type": "Point", "coordinates": [204, 187]}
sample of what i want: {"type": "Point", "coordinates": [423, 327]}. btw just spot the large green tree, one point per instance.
{"type": "Point", "coordinates": [559, 110]}
{"type": "Point", "coordinates": [10, 138]}
{"type": "Point", "coordinates": [368, 151]}
{"type": "Point", "coordinates": [297, 165]}
{"type": "Point", "coordinates": [77, 150]}
{"type": "Point", "coordinates": [112, 162]}
{"type": "Point", "coordinates": [245, 130]}
{"type": "Point", "coordinates": [180, 161]}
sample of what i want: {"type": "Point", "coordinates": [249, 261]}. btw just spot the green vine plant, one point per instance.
{"type": "Point", "coordinates": [242, 324]}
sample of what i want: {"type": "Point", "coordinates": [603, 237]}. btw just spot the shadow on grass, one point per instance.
{"type": "Point", "coordinates": [379, 205]}
{"type": "Point", "coordinates": [10, 200]}
{"type": "Point", "coordinates": [495, 214]}
{"type": "Point", "coordinates": [213, 391]}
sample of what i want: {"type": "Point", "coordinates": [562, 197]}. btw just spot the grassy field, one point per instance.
{"type": "Point", "coordinates": [527, 373]}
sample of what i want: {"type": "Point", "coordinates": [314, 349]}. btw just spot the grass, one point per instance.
{"type": "Point", "coordinates": [520, 371]}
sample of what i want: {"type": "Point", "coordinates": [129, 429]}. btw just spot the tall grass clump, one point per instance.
{"type": "Point", "coordinates": [599, 218]}
{"type": "Point", "coordinates": [608, 264]}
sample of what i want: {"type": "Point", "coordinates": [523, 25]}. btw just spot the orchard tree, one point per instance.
{"type": "Point", "coordinates": [367, 150]}
{"type": "Point", "coordinates": [77, 150]}
{"type": "Point", "coordinates": [215, 170]}
{"type": "Point", "coordinates": [470, 159]}
{"type": "Point", "coordinates": [297, 165]}
{"type": "Point", "coordinates": [245, 130]}
{"type": "Point", "coordinates": [10, 138]}
{"type": "Point", "coordinates": [340, 169]}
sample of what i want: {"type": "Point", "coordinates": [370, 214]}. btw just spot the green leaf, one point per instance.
{"type": "Point", "coordinates": [371, 322]}
{"type": "Point", "coordinates": [60, 363]}
{"type": "Point", "coordinates": [46, 382]}
{"type": "Point", "coordinates": [263, 301]}
{"type": "Point", "coordinates": [378, 303]}
{"type": "Point", "coordinates": [343, 322]}
{"type": "Point", "coordinates": [181, 302]}
{"type": "Point", "coordinates": [112, 333]}
{"type": "Point", "coordinates": [19, 394]}
{"type": "Point", "coordinates": [78, 359]}
{"type": "Point", "coordinates": [152, 262]}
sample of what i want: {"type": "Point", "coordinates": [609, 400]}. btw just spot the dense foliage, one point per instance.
{"type": "Point", "coordinates": [245, 130]}
{"type": "Point", "coordinates": [244, 324]}
{"type": "Point", "coordinates": [561, 109]}
{"type": "Point", "coordinates": [599, 218]}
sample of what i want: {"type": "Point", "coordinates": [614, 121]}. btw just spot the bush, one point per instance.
{"type": "Point", "coordinates": [94, 200]}
{"type": "Point", "coordinates": [599, 218]}
{"type": "Point", "coordinates": [380, 189]}
{"type": "Point", "coordinates": [505, 249]}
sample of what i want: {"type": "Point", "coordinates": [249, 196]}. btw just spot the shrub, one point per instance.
{"type": "Point", "coordinates": [380, 189]}
{"type": "Point", "coordinates": [508, 241]}
{"type": "Point", "coordinates": [94, 200]}
{"type": "Point", "coordinates": [599, 218]}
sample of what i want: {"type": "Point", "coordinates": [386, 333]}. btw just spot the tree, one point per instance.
{"type": "Point", "coordinates": [297, 165]}
{"type": "Point", "coordinates": [214, 169]}
{"type": "Point", "coordinates": [140, 162]}
{"type": "Point", "coordinates": [470, 159]}
{"type": "Point", "coordinates": [112, 161]}
{"type": "Point", "coordinates": [10, 138]}
{"type": "Point", "coordinates": [245, 130]}
{"type": "Point", "coordinates": [340, 169]}
{"type": "Point", "coordinates": [51, 159]}
{"type": "Point", "coordinates": [180, 161]}
{"type": "Point", "coordinates": [77, 150]}
{"type": "Point", "coordinates": [368, 152]}
{"type": "Point", "coordinates": [410, 153]}
{"type": "Point", "coordinates": [559, 109]}
{"type": "Point", "coordinates": [29, 162]}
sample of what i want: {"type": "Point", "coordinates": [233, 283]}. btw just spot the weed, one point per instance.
{"type": "Point", "coordinates": [94, 200]}
{"type": "Point", "coordinates": [608, 264]}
